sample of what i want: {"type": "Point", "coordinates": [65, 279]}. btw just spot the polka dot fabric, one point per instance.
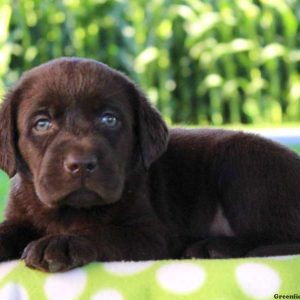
{"type": "Point", "coordinates": [255, 278]}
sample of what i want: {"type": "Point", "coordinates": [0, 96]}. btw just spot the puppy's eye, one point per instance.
{"type": "Point", "coordinates": [42, 125]}
{"type": "Point", "coordinates": [109, 120]}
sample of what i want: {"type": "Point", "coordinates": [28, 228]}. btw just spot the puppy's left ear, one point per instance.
{"type": "Point", "coordinates": [152, 131]}
{"type": "Point", "coordinates": [7, 137]}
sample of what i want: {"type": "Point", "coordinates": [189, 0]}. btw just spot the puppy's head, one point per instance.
{"type": "Point", "coordinates": [76, 128]}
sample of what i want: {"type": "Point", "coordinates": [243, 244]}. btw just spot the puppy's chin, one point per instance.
{"type": "Point", "coordinates": [79, 198]}
{"type": "Point", "coordinates": [84, 198]}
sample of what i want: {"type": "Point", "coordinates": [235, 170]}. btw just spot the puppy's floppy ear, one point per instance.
{"type": "Point", "coordinates": [152, 131]}
{"type": "Point", "coordinates": [7, 136]}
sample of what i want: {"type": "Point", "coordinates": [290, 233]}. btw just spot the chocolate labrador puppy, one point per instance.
{"type": "Point", "coordinates": [97, 176]}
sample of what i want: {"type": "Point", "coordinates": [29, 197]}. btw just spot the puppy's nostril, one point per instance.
{"type": "Point", "coordinates": [72, 167]}
{"type": "Point", "coordinates": [91, 167]}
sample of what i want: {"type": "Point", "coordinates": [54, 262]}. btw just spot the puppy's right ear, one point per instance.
{"type": "Point", "coordinates": [8, 136]}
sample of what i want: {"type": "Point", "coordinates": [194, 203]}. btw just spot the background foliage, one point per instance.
{"type": "Point", "coordinates": [200, 62]}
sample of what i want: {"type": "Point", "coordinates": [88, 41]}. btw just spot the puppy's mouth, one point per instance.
{"type": "Point", "coordinates": [82, 198]}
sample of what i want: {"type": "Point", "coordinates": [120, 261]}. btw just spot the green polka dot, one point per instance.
{"type": "Point", "coordinates": [108, 294]}
{"type": "Point", "coordinates": [69, 284]}
{"type": "Point", "coordinates": [258, 280]}
{"type": "Point", "coordinates": [13, 291]}
{"type": "Point", "coordinates": [173, 277]}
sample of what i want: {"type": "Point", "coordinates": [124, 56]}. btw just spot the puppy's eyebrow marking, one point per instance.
{"type": "Point", "coordinates": [42, 109]}
{"type": "Point", "coordinates": [39, 110]}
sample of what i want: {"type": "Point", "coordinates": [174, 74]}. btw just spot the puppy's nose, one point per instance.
{"type": "Point", "coordinates": [80, 164]}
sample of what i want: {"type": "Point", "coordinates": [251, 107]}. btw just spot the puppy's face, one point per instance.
{"type": "Point", "coordinates": [79, 126]}
{"type": "Point", "coordinates": [76, 133]}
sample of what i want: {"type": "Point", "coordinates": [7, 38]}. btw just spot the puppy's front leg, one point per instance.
{"type": "Point", "coordinates": [56, 253]}
{"type": "Point", "coordinates": [13, 239]}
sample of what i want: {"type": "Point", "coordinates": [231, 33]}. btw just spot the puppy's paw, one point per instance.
{"type": "Point", "coordinates": [59, 253]}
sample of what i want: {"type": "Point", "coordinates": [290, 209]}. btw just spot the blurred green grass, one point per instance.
{"type": "Point", "coordinates": [200, 62]}
{"type": "Point", "coordinates": [296, 148]}
{"type": "Point", "coordinates": [4, 184]}
{"type": "Point", "coordinates": [4, 187]}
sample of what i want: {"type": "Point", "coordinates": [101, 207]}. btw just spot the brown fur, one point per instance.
{"type": "Point", "coordinates": [84, 192]}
